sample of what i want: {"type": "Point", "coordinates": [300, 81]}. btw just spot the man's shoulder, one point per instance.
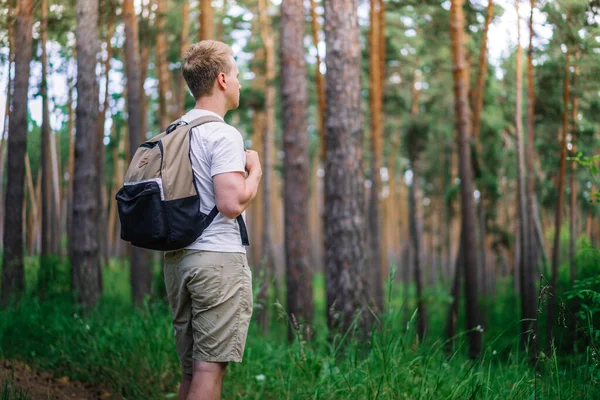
{"type": "Point", "coordinates": [216, 129]}
{"type": "Point", "coordinates": [218, 132]}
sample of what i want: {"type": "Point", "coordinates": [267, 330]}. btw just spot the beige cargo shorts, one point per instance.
{"type": "Point", "coordinates": [210, 294]}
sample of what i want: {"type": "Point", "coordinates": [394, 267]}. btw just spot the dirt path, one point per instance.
{"type": "Point", "coordinates": [43, 386]}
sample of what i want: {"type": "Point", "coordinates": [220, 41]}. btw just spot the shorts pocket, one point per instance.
{"type": "Point", "coordinates": [205, 285]}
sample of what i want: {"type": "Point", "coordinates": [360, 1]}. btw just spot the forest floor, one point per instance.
{"type": "Point", "coordinates": [37, 385]}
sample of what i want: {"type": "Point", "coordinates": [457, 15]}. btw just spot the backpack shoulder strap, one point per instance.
{"type": "Point", "coordinates": [189, 125]}
{"type": "Point", "coordinates": [204, 120]}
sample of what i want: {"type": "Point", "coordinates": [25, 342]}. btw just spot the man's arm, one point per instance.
{"type": "Point", "coordinates": [233, 193]}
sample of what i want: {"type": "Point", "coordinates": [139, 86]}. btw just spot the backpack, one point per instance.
{"type": "Point", "coordinates": [159, 203]}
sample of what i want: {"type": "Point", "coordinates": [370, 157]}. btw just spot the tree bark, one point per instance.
{"type": "Point", "coordinates": [416, 234]}
{"type": "Point", "coordinates": [101, 153]}
{"type": "Point", "coordinates": [116, 184]}
{"type": "Point", "coordinates": [481, 76]}
{"type": "Point", "coordinates": [559, 207]}
{"type": "Point", "coordinates": [316, 194]}
{"type": "Point", "coordinates": [33, 215]}
{"type": "Point", "coordinates": [206, 20]}
{"type": "Point", "coordinates": [71, 165]}
{"type": "Point", "coordinates": [528, 294]}
{"type": "Point", "coordinates": [256, 212]}
{"type": "Point", "coordinates": [526, 286]}
{"type": "Point", "coordinates": [57, 176]}
{"type": "Point", "coordinates": [319, 78]}
{"type": "Point", "coordinates": [140, 268]}
{"type": "Point", "coordinates": [85, 255]}
{"type": "Point", "coordinates": [5, 120]}
{"type": "Point", "coordinates": [296, 167]}
{"type": "Point", "coordinates": [477, 108]}
{"type": "Point", "coordinates": [534, 246]}
{"type": "Point", "coordinates": [165, 95]}
{"type": "Point", "coordinates": [452, 318]}
{"type": "Point", "coordinates": [184, 42]}
{"type": "Point", "coordinates": [377, 260]}
{"type": "Point", "coordinates": [461, 80]}
{"type": "Point", "coordinates": [345, 245]}
{"type": "Point", "coordinates": [221, 25]}
{"type": "Point", "coordinates": [13, 276]}
{"type": "Point", "coordinates": [47, 200]}
{"type": "Point", "coordinates": [573, 177]}
{"type": "Point", "coordinates": [416, 217]}
{"type": "Point", "coordinates": [266, 264]}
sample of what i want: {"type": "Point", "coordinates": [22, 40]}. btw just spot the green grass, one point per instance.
{"type": "Point", "coordinates": [131, 351]}
{"type": "Point", "coordinates": [9, 392]}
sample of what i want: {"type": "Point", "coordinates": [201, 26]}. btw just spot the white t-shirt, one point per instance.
{"type": "Point", "coordinates": [215, 148]}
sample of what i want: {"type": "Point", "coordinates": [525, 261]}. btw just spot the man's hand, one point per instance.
{"type": "Point", "coordinates": [253, 162]}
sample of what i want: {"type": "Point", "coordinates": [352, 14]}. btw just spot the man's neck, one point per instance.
{"type": "Point", "coordinates": [209, 104]}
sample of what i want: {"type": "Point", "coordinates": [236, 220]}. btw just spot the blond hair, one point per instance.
{"type": "Point", "coordinates": [202, 63]}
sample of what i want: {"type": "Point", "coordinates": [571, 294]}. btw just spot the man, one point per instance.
{"type": "Point", "coordinates": [209, 283]}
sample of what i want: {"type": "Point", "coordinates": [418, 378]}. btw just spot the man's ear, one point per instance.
{"type": "Point", "coordinates": [221, 80]}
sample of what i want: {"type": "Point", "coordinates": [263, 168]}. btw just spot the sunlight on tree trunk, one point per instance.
{"type": "Point", "coordinates": [206, 20]}
{"type": "Point", "coordinates": [165, 95]}
{"type": "Point", "coordinates": [266, 263]}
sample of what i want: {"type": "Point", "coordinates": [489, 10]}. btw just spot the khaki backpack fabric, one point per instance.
{"type": "Point", "coordinates": [159, 204]}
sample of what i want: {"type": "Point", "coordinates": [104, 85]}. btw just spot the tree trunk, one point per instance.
{"type": "Point", "coordinates": [85, 254]}
{"type": "Point", "coordinates": [266, 264]}
{"type": "Point", "coordinates": [116, 184]}
{"type": "Point", "coordinates": [452, 318]}
{"type": "Point", "coordinates": [319, 78]}
{"type": "Point", "coordinates": [532, 253]}
{"type": "Point", "coordinates": [57, 178]}
{"type": "Point", "coordinates": [13, 276]}
{"type": "Point", "coordinates": [416, 234]}
{"type": "Point", "coordinates": [101, 154]}
{"type": "Point", "coordinates": [526, 288]}
{"type": "Point", "coordinates": [206, 20]}
{"type": "Point", "coordinates": [377, 260]}
{"type": "Point", "coordinates": [573, 177]}
{"type": "Point", "coordinates": [33, 215]}
{"type": "Point", "coordinates": [481, 76]}
{"type": "Point", "coordinates": [5, 120]}
{"type": "Point", "coordinates": [528, 294]}
{"type": "Point", "coordinates": [140, 268]}
{"type": "Point", "coordinates": [477, 108]}
{"type": "Point", "coordinates": [296, 169]}
{"type": "Point", "coordinates": [184, 42]}
{"type": "Point", "coordinates": [256, 207]}
{"type": "Point", "coordinates": [461, 80]}
{"type": "Point", "coordinates": [448, 214]}
{"type": "Point", "coordinates": [47, 200]}
{"type": "Point", "coordinates": [559, 207]}
{"type": "Point", "coordinates": [70, 166]}
{"type": "Point", "coordinates": [345, 245]}
{"type": "Point", "coordinates": [221, 25]}
{"type": "Point", "coordinates": [416, 217]}
{"type": "Point", "coordinates": [316, 195]}
{"type": "Point", "coordinates": [165, 95]}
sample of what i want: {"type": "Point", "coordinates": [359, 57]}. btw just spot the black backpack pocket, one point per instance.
{"type": "Point", "coordinates": [142, 214]}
